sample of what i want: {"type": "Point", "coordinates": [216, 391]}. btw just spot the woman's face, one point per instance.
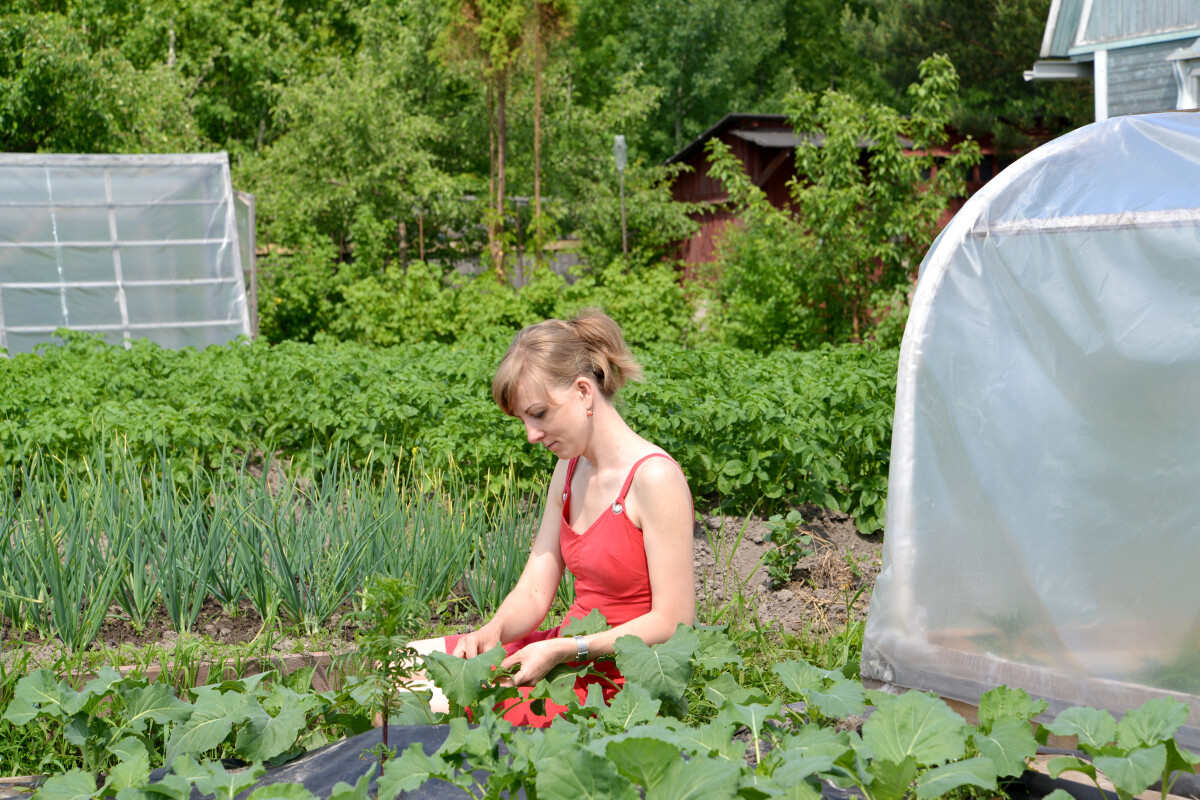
{"type": "Point", "coordinates": [554, 417]}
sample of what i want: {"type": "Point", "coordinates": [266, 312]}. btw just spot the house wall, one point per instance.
{"type": "Point", "coordinates": [1140, 79]}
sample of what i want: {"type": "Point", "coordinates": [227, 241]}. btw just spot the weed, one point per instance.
{"type": "Point", "coordinates": [790, 546]}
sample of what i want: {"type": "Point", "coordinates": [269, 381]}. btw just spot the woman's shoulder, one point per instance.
{"type": "Point", "coordinates": [656, 470]}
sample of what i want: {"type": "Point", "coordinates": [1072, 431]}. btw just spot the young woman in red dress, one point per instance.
{"type": "Point", "coordinates": [618, 511]}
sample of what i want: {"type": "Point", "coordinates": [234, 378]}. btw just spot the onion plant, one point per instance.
{"type": "Point", "coordinates": [317, 544]}
{"type": "Point", "coordinates": [126, 513]}
{"type": "Point", "coordinates": [61, 537]}
{"type": "Point", "coordinates": [430, 527]}
{"type": "Point", "coordinates": [181, 519]}
{"type": "Point", "coordinates": [502, 548]}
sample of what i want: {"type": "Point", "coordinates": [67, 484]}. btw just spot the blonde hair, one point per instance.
{"type": "Point", "coordinates": [560, 351]}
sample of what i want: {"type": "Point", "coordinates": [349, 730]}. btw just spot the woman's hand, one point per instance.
{"type": "Point", "coordinates": [476, 642]}
{"type": "Point", "coordinates": [536, 660]}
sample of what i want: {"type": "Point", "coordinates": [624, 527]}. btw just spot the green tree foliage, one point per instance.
{"type": "Point", "coordinates": [709, 58]}
{"type": "Point", "coordinates": [990, 42]}
{"type": "Point", "coordinates": [354, 156]}
{"type": "Point", "coordinates": [57, 93]}
{"type": "Point", "coordinates": [368, 128]}
{"type": "Point", "coordinates": [865, 215]}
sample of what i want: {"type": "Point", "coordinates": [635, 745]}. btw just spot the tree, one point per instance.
{"type": "Point", "coordinates": [354, 157]}
{"type": "Point", "coordinates": [990, 42]}
{"type": "Point", "coordinates": [865, 216]}
{"type": "Point", "coordinates": [490, 35]}
{"type": "Point", "coordinates": [708, 56]}
{"type": "Point", "coordinates": [58, 94]}
{"type": "Point", "coordinates": [551, 20]}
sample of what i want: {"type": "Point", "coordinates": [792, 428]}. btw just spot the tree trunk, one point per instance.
{"type": "Point", "coordinates": [501, 141]}
{"type": "Point", "coordinates": [537, 137]}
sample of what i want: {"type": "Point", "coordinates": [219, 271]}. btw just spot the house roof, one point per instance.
{"type": "Point", "coordinates": [1078, 28]}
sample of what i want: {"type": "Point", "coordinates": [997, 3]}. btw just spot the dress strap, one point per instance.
{"type": "Point", "coordinates": [567, 486]}
{"type": "Point", "coordinates": [629, 478]}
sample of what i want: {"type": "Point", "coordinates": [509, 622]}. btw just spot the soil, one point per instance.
{"type": "Point", "coordinates": [728, 552]}
{"type": "Point", "coordinates": [840, 569]}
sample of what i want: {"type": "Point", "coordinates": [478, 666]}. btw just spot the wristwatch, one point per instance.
{"type": "Point", "coordinates": [581, 648]}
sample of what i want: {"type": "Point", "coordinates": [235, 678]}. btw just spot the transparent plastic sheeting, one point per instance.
{"type": "Point", "coordinates": [1043, 520]}
{"type": "Point", "coordinates": [124, 246]}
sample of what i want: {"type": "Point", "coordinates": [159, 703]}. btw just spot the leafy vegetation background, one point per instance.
{"type": "Point", "coordinates": [749, 431]}
{"type": "Point", "coordinates": [387, 141]}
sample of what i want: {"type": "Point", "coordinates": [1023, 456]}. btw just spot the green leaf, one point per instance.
{"type": "Point", "coordinates": [725, 689]}
{"type": "Point", "coordinates": [594, 622]}
{"type": "Point", "coordinates": [1094, 727]}
{"type": "Point", "coordinates": [1059, 794]}
{"type": "Point", "coordinates": [715, 738]}
{"type": "Point", "coordinates": [664, 670]}
{"type": "Point", "coordinates": [266, 736]}
{"type": "Point", "coordinates": [73, 784]}
{"type": "Point", "coordinates": [154, 703]}
{"type": "Point", "coordinates": [407, 773]}
{"type": "Point", "coordinates": [1057, 766]}
{"type": "Point", "coordinates": [95, 689]}
{"type": "Point", "coordinates": [918, 726]}
{"type": "Point", "coordinates": [1155, 721]}
{"type": "Point", "coordinates": [133, 769]}
{"type": "Point", "coordinates": [643, 760]}
{"type": "Point", "coordinates": [1004, 701]}
{"type": "Point", "coordinates": [582, 774]}
{"type": "Point", "coordinates": [1135, 772]}
{"type": "Point", "coordinates": [359, 791]}
{"type": "Point", "coordinates": [843, 699]}
{"type": "Point", "coordinates": [633, 705]}
{"type": "Point", "coordinates": [1180, 760]}
{"type": "Point", "coordinates": [717, 650]}
{"type": "Point", "coordinates": [211, 777]}
{"type": "Point", "coordinates": [697, 779]}
{"type": "Point", "coordinates": [559, 685]}
{"type": "Point", "coordinates": [462, 679]}
{"type": "Point", "coordinates": [212, 719]}
{"type": "Point", "coordinates": [39, 692]}
{"type": "Point", "coordinates": [173, 787]}
{"type": "Point", "coordinates": [939, 781]}
{"type": "Point", "coordinates": [799, 676]}
{"type": "Point", "coordinates": [733, 467]}
{"type": "Point", "coordinates": [891, 780]}
{"type": "Point", "coordinates": [752, 715]}
{"type": "Point", "coordinates": [1009, 745]}
{"type": "Point", "coordinates": [281, 791]}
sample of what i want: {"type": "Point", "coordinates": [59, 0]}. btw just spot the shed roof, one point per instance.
{"type": "Point", "coordinates": [726, 122]}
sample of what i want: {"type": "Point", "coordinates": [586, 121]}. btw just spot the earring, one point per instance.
{"type": "Point", "coordinates": [589, 412]}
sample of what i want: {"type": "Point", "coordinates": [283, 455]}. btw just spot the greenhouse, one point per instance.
{"type": "Point", "coordinates": [1042, 509]}
{"type": "Point", "coordinates": [128, 247]}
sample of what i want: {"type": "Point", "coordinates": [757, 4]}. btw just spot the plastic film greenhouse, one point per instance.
{"type": "Point", "coordinates": [1043, 522]}
{"type": "Point", "coordinates": [124, 246]}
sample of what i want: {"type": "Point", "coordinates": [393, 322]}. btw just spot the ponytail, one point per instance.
{"type": "Point", "coordinates": [560, 351]}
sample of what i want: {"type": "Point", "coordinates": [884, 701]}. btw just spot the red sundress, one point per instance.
{"type": "Point", "coordinates": [608, 561]}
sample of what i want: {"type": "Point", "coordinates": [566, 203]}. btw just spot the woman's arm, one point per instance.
{"type": "Point", "coordinates": [528, 603]}
{"type": "Point", "coordinates": [660, 503]}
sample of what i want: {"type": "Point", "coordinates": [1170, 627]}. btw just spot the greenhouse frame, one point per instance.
{"type": "Point", "coordinates": [124, 246]}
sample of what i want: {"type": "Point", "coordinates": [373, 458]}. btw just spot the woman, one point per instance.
{"type": "Point", "coordinates": [618, 512]}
